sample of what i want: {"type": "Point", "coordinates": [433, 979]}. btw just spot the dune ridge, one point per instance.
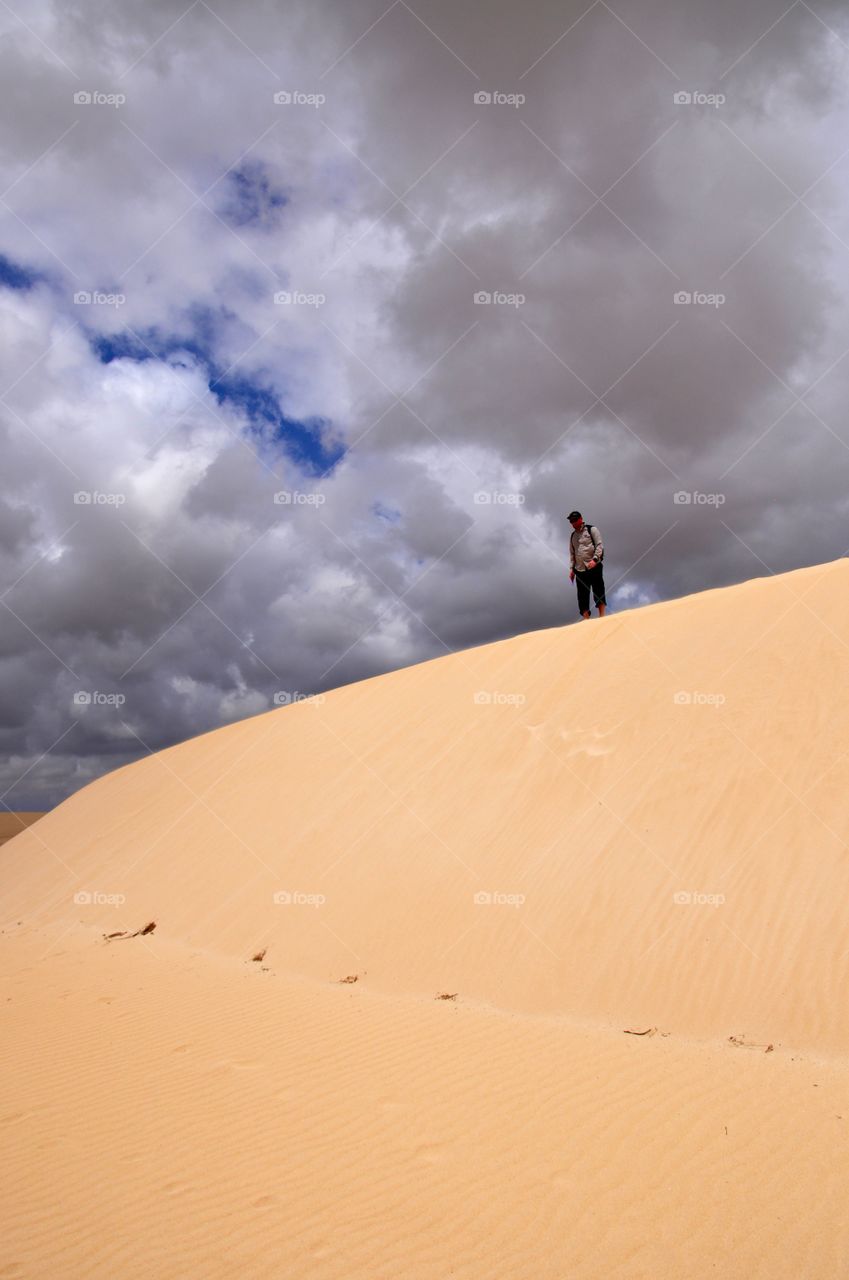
{"type": "Point", "coordinates": [618, 850]}
{"type": "Point", "coordinates": [659, 847]}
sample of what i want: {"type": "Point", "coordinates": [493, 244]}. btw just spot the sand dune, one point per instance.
{"type": "Point", "coordinates": [637, 825]}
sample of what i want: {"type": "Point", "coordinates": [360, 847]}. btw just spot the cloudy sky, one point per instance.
{"type": "Point", "coordinates": [262, 437]}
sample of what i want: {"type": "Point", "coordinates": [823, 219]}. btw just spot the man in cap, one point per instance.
{"type": "Point", "coordinates": [586, 551]}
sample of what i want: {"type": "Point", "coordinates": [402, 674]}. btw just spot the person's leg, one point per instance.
{"type": "Point", "coordinates": [598, 590]}
{"type": "Point", "coordinates": [583, 595]}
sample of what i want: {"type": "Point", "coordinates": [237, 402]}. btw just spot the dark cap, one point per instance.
{"type": "Point", "coordinates": [574, 515]}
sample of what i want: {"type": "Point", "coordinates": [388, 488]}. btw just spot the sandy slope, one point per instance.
{"type": "Point", "coordinates": [171, 1108]}
{"type": "Point", "coordinates": [171, 1115]}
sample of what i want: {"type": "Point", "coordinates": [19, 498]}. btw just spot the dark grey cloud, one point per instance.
{"type": "Point", "coordinates": [224, 560]}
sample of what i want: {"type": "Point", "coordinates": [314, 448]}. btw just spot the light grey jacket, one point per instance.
{"type": "Point", "coordinates": [581, 548]}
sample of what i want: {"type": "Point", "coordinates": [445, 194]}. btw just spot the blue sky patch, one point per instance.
{"type": "Point", "coordinates": [15, 276]}
{"type": "Point", "coordinates": [303, 441]}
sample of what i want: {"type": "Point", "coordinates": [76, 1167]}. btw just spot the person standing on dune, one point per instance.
{"type": "Point", "coordinates": [586, 550]}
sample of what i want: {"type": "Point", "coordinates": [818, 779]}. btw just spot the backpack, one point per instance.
{"type": "Point", "coordinates": [591, 530]}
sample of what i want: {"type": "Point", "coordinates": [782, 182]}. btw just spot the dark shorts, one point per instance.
{"type": "Point", "coordinates": [590, 579]}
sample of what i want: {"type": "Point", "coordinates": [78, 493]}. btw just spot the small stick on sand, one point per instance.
{"type": "Point", "coordinates": [139, 933]}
